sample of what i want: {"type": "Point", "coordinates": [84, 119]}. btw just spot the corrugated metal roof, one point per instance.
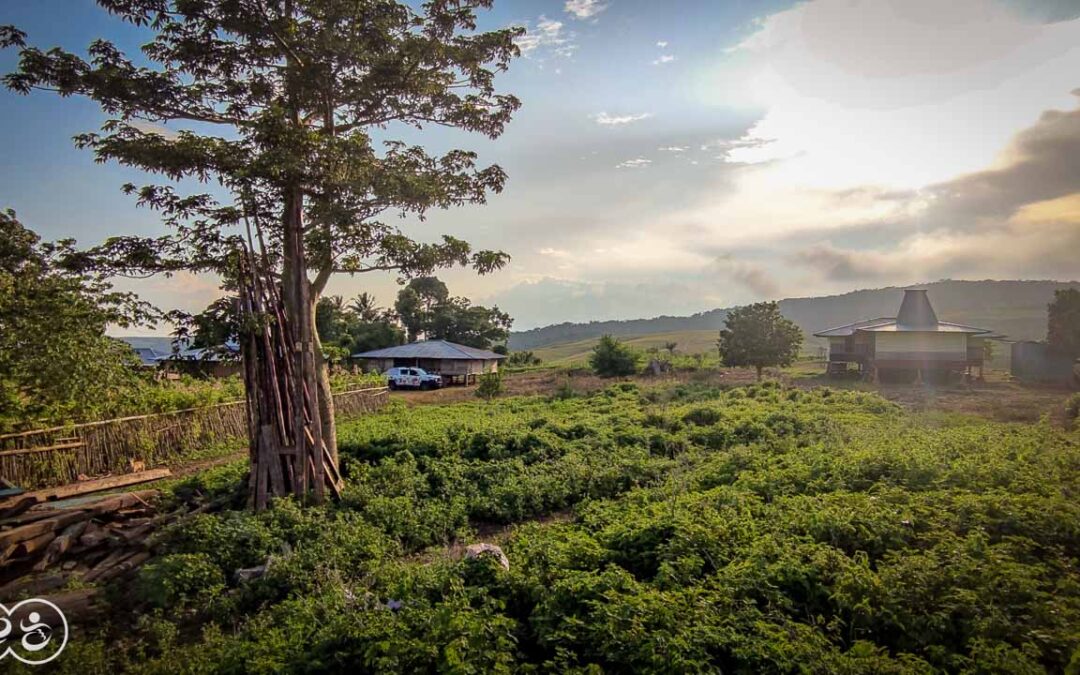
{"type": "Point", "coordinates": [430, 349]}
{"type": "Point", "coordinates": [916, 316]}
{"type": "Point", "coordinates": [939, 327]}
{"type": "Point", "coordinates": [848, 329]}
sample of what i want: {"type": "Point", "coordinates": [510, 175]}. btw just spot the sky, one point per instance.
{"type": "Point", "coordinates": [676, 157]}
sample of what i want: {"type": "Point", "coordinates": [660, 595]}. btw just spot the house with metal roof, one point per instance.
{"type": "Point", "coordinates": [914, 342]}
{"type": "Point", "coordinates": [454, 362]}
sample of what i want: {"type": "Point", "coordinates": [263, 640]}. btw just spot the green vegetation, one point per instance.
{"type": "Point", "coordinates": [428, 311]}
{"type": "Point", "coordinates": [611, 358]}
{"type": "Point", "coordinates": [295, 113]}
{"type": "Point", "coordinates": [756, 529]}
{"type": "Point", "coordinates": [490, 386]}
{"type": "Point", "coordinates": [1063, 322]}
{"type": "Point", "coordinates": [758, 335]}
{"type": "Point", "coordinates": [55, 360]}
{"type": "Point", "coordinates": [578, 351]}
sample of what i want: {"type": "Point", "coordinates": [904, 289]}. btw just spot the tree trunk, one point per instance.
{"type": "Point", "coordinates": [325, 394]}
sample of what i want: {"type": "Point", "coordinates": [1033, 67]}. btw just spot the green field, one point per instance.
{"type": "Point", "coordinates": [671, 529]}
{"type": "Point", "coordinates": [689, 342]}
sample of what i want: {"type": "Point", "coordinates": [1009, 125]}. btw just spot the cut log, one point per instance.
{"type": "Point", "coordinates": [18, 506]}
{"type": "Point", "coordinates": [31, 586]}
{"type": "Point", "coordinates": [123, 567]}
{"type": "Point", "coordinates": [60, 545]}
{"type": "Point", "coordinates": [94, 536]}
{"type": "Point", "coordinates": [110, 561]}
{"type": "Point", "coordinates": [31, 530]}
{"type": "Point", "coordinates": [80, 607]}
{"type": "Point", "coordinates": [33, 516]}
{"type": "Point", "coordinates": [91, 486]}
{"type": "Point", "coordinates": [121, 501]}
{"type": "Point", "coordinates": [30, 546]}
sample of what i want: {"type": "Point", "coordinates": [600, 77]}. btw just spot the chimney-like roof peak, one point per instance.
{"type": "Point", "coordinates": [916, 311]}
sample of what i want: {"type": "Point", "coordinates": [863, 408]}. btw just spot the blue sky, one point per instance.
{"type": "Point", "coordinates": [674, 157]}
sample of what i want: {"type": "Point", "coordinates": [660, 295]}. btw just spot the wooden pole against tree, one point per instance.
{"type": "Point", "coordinates": [288, 451]}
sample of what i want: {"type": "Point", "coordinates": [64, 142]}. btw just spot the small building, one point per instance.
{"type": "Point", "coordinates": [1037, 362]}
{"type": "Point", "coordinates": [223, 361]}
{"type": "Point", "coordinates": [149, 357]}
{"type": "Point", "coordinates": [454, 362]}
{"type": "Point", "coordinates": [913, 344]}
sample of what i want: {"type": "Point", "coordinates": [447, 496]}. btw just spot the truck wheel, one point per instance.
{"type": "Point", "coordinates": [392, 385]}
{"type": "Point", "coordinates": [424, 386]}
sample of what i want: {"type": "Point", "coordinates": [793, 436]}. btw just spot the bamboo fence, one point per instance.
{"type": "Point", "coordinates": [49, 457]}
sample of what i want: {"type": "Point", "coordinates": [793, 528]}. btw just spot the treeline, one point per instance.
{"type": "Point", "coordinates": [424, 310]}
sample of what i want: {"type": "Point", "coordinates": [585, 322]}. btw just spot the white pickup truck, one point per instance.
{"type": "Point", "coordinates": [412, 378]}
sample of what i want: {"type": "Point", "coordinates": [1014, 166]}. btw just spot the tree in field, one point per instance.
{"type": "Point", "coordinates": [1063, 322]}
{"type": "Point", "coordinates": [611, 358]}
{"type": "Point", "coordinates": [671, 347]}
{"type": "Point", "coordinates": [758, 335]}
{"type": "Point", "coordinates": [291, 107]}
{"type": "Point", "coordinates": [427, 310]}
{"type": "Point", "coordinates": [55, 360]}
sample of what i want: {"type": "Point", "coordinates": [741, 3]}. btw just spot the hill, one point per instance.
{"type": "Point", "coordinates": [1015, 308]}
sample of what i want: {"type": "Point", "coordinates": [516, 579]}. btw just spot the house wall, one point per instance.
{"type": "Point", "coordinates": [914, 346]}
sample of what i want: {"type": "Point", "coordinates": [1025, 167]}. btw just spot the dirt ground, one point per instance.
{"type": "Point", "coordinates": [998, 398]}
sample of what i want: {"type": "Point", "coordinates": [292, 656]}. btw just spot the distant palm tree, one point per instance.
{"type": "Point", "coordinates": [364, 307]}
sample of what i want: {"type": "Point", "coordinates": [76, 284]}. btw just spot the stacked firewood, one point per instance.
{"type": "Point", "coordinates": [47, 541]}
{"type": "Point", "coordinates": [288, 453]}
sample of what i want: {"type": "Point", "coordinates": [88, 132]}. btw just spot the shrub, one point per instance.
{"type": "Point", "coordinates": [490, 386]}
{"type": "Point", "coordinates": [1072, 407]}
{"type": "Point", "coordinates": [182, 579]}
{"type": "Point", "coordinates": [611, 358]}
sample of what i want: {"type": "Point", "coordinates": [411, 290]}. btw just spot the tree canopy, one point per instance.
{"type": "Point", "coordinates": [55, 359]}
{"type": "Point", "coordinates": [427, 310]}
{"type": "Point", "coordinates": [612, 358]}
{"type": "Point", "coordinates": [1063, 322]}
{"type": "Point", "coordinates": [294, 108]}
{"type": "Point", "coordinates": [759, 336]}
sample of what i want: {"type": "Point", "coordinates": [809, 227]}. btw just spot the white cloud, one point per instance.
{"type": "Point", "coordinates": [662, 43]}
{"type": "Point", "coordinates": [636, 163]}
{"type": "Point", "coordinates": [607, 120]}
{"type": "Point", "coordinates": [664, 58]}
{"type": "Point", "coordinates": [673, 148]}
{"type": "Point", "coordinates": [547, 36]}
{"type": "Point", "coordinates": [584, 9]}
{"type": "Point", "coordinates": [868, 92]}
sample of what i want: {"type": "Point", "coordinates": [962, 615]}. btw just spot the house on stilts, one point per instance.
{"type": "Point", "coordinates": [912, 345]}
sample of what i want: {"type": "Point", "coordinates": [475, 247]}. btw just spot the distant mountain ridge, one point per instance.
{"type": "Point", "coordinates": [1015, 308]}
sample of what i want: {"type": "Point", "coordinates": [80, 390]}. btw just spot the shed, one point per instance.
{"type": "Point", "coordinates": [1037, 362]}
{"type": "Point", "coordinates": [454, 362]}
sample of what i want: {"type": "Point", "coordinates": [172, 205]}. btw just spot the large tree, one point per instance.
{"type": "Point", "coordinates": [758, 335]}
{"type": "Point", "coordinates": [56, 363]}
{"type": "Point", "coordinates": [291, 107]}
{"type": "Point", "coordinates": [426, 309]}
{"type": "Point", "coordinates": [1063, 322]}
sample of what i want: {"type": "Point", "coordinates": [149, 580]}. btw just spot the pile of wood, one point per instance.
{"type": "Point", "coordinates": [287, 450]}
{"type": "Point", "coordinates": [50, 537]}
